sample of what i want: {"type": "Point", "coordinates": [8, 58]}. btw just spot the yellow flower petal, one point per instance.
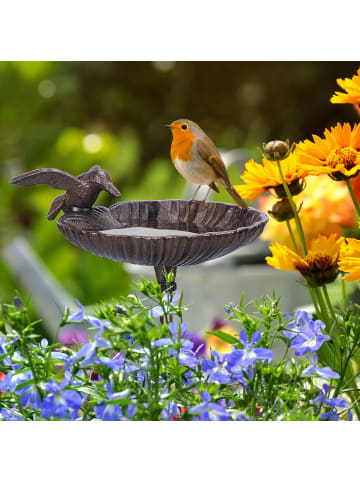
{"type": "Point", "coordinates": [258, 178]}
{"type": "Point", "coordinates": [352, 89]}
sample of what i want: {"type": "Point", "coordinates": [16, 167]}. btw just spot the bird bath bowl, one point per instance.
{"type": "Point", "coordinates": [163, 234]}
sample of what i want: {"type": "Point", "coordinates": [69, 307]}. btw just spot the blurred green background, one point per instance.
{"type": "Point", "coordinates": [72, 115]}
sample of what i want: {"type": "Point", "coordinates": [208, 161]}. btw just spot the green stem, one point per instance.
{"type": "Point", "coordinates": [343, 293]}
{"type": "Point", "coordinates": [351, 191]}
{"type": "Point", "coordinates": [328, 302]}
{"type": "Point", "coordinates": [323, 308]}
{"type": "Point", "coordinates": [292, 236]}
{"type": "Point", "coordinates": [293, 206]}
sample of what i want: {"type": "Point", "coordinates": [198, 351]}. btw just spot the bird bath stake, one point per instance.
{"type": "Point", "coordinates": [163, 234]}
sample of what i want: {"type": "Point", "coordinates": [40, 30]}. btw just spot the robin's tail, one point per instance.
{"type": "Point", "coordinates": [236, 196]}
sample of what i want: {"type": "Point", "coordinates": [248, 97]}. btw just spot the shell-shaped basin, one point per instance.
{"type": "Point", "coordinates": [163, 233]}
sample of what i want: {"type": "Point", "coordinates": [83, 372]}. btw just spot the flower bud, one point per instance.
{"type": "Point", "coordinates": [295, 187]}
{"type": "Point", "coordinates": [282, 211]}
{"type": "Point", "coordinates": [18, 302]}
{"type": "Point", "coordinates": [276, 150]}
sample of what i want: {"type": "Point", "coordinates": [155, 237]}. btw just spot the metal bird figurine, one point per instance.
{"type": "Point", "coordinates": [81, 191]}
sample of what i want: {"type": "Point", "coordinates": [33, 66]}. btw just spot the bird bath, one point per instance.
{"type": "Point", "coordinates": [163, 234]}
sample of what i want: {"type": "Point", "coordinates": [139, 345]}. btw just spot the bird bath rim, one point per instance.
{"type": "Point", "coordinates": [229, 228]}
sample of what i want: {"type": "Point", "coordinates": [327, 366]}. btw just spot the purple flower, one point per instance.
{"type": "Point", "coordinates": [216, 368]}
{"type": "Point", "coordinates": [229, 307]}
{"type": "Point", "coordinates": [11, 415]}
{"type": "Point", "coordinates": [209, 411]}
{"type": "Point", "coordinates": [170, 411]}
{"type": "Point", "coordinates": [115, 363]}
{"type": "Point", "coordinates": [199, 344]}
{"type": "Point", "coordinates": [240, 359]}
{"type": "Point", "coordinates": [302, 318]}
{"type": "Point", "coordinates": [169, 301]}
{"type": "Point", "coordinates": [72, 337]}
{"type": "Point", "coordinates": [178, 336]}
{"type": "Point", "coordinates": [13, 378]}
{"type": "Point", "coordinates": [95, 322]}
{"type": "Point", "coordinates": [331, 402]}
{"type": "Point", "coordinates": [61, 403]}
{"type": "Point", "coordinates": [29, 395]}
{"type": "Point", "coordinates": [310, 338]}
{"type": "Point", "coordinates": [87, 353]}
{"type": "Point", "coordinates": [325, 372]}
{"type": "Point", "coordinates": [111, 411]}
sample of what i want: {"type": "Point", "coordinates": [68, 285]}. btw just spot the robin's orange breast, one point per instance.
{"type": "Point", "coordinates": [181, 147]}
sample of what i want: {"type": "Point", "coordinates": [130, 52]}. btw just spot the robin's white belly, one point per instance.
{"type": "Point", "coordinates": [195, 171]}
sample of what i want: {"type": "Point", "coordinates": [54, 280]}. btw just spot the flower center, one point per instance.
{"type": "Point", "coordinates": [310, 343]}
{"type": "Point", "coordinates": [318, 261]}
{"type": "Point", "coordinates": [319, 269]}
{"type": "Point", "coordinates": [348, 156]}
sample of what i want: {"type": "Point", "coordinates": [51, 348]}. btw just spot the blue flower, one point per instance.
{"type": "Point", "coordinates": [13, 378]}
{"type": "Point", "coordinates": [178, 333]}
{"type": "Point", "coordinates": [230, 307]}
{"type": "Point", "coordinates": [115, 363]}
{"type": "Point", "coordinates": [29, 395]}
{"type": "Point", "coordinates": [216, 369]}
{"type": "Point", "coordinates": [87, 353]}
{"type": "Point", "coordinates": [240, 359]}
{"type": "Point", "coordinates": [11, 415]}
{"type": "Point", "coordinates": [169, 301]}
{"type": "Point", "coordinates": [310, 338]}
{"type": "Point", "coordinates": [59, 402]}
{"type": "Point", "coordinates": [325, 372]}
{"type": "Point", "coordinates": [95, 322]}
{"type": "Point", "coordinates": [331, 402]}
{"type": "Point", "coordinates": [302, 318]}
{"type": "Point", "coordinates": [209, 411]}
{"type": "Point", "coordinates": [111, 411]}
{"type": "Point", "coordinates": [170, 411]}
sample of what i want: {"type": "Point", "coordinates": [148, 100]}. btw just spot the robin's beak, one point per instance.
{"type": "Point", "coordinates": [169, 126]}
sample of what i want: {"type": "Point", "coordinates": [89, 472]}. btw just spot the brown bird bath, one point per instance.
{"type": "Point", "coordinates": [163, 234]}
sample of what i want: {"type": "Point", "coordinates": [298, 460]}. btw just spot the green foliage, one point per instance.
{"type": "Point", "coordinates": [135, 367]}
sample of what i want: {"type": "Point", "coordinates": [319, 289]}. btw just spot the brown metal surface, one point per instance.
{"type": "Point", "coordinates": [214, 230]}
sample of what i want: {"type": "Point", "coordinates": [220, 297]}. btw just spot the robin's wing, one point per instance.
{"type": "Point", "coordinates": [214, 186]}
{"type": "Point", "coordinates": [53, 177]}
{"type": "Point", "coordinates": [209, 154]}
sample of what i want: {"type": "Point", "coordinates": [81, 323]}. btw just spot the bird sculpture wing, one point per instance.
{"type": "Point", "coordinates": [56, 206]}
{"type": "Point", "coordinates": [53, 177]}
{"type": "Point", "coordinates": [209, 154]}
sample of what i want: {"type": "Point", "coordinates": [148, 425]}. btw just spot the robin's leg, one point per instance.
{"type": "Point", "coordinates": [204, 200]}
{"type": "Point", "coordinates": [192, 199]}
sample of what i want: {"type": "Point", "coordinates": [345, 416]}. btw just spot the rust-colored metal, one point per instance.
{"type": "Point", "coordinates": [163, 234]}
{"type": "Point", "coordinates": [81, 191]}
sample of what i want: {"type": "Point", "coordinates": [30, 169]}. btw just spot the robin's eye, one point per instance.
{"type": "Point", "coordinates": [184, 126]}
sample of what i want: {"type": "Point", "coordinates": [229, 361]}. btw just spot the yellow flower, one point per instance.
{"type": "Point", "coordinates": [259, 178]}
{"type": "Point", "coordinates": [352, 89]}
{"type": "Point", "coordinates": [350, 259]}
{"type": "Point", "coordinates": [326, 209]}
{"type": "Point", "coordinates": [337, 154]}
{"type": "Point", "coordinates": [319, 266]}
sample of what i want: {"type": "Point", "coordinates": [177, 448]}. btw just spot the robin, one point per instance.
{"type": "Point", "coordinates": [196, 158]}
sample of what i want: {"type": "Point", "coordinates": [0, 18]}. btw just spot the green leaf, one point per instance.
{"type": "Point", "coordinates": [224, 337]}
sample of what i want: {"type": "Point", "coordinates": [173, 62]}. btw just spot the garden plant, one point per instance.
{"type": "Point", "coordinates": [276, 366]}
